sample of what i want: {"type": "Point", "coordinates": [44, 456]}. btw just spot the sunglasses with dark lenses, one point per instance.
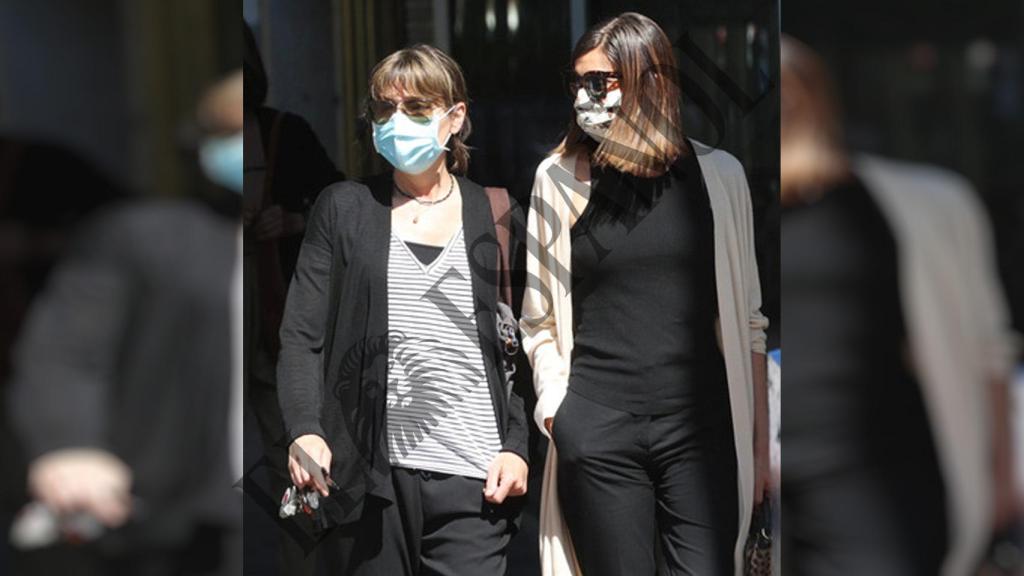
{"type": "Point", "coordinates": [597, 83]}
{"type": "Point", "coordinates": [418, 110]}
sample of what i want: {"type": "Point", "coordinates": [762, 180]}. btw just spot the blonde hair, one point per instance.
{"type": "Point", "coordinates": [646, 135]}
{"type": "Point", "coordinates": [427, 72]}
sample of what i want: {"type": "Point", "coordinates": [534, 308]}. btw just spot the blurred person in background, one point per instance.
{"type": "Point", "coordinates": [127, 377]}
{"type": "Point", "coordinates": [45, 191]}
{"type": "Point", "coordinates": [285, 170]}
{"type": "Point", "coordinates": [642, 322]}
{"type": "Point", "coordinates": [895, 423]}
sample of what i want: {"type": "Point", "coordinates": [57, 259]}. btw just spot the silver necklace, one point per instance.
{"type": "Point", "coordinates": [428, 203]}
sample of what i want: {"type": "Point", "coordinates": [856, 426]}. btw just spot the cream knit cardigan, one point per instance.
{"type": "Point", "coordinates": [557, 200]}
{"type": "Point", "coordinates": [958, 331]}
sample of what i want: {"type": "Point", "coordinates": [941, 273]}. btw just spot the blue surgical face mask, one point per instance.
{"type": "Point", "coordinates": [221, 159]}
{"type": "Point", "coordinates": [409, 146]}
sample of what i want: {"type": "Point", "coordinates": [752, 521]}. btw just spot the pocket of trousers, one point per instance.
{"type": "Point", "coordinates": [557, 416]}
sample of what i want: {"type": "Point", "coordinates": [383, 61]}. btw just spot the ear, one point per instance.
{"type": "Point", "coordinates": [457, 117]}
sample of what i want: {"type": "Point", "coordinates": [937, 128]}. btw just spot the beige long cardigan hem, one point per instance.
{"type": "Point", "coordinates": [557, 200]}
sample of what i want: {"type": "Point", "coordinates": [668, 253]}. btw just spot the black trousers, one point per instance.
{"type": "Point", "coordinates": [211, 551]}
{"type": "Point", "coordinates": [630, 485]}
{"type": "Point", "coordinates": [439, 524]}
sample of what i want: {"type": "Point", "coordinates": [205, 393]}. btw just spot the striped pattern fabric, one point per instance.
{"type": "Point", "coordinates": [440, 416]}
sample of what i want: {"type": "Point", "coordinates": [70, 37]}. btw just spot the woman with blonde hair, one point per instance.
{"type": "Point", "coordinates": [641, 321]}
{"type": "Point", "coordinates": [391, 375]}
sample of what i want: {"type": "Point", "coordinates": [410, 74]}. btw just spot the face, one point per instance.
{"type": "Point", "coordinates": [419, 110]}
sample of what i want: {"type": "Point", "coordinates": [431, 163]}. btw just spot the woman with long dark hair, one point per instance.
{"type": "Point", "coordinates": [641, 321]}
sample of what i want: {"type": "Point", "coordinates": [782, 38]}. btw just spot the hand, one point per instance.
{"type": "Point", "coordinates": [306, 454]}
{"type": "Point", "coordinates": [273, 223]}
{"type": "Point", "coordinates": [270, 223]}
{"type": "Point", "coordinates": [762, 472]}
{"type": "Point", "coordinates": [83, 480]}
{"type": "Point", "coordinates": [506, 477]}
{"type": "Point", "coordinates": [1006, 504]}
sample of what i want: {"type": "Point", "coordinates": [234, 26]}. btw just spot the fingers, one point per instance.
{"type": "Point", "coordinates": [505, 481]}
{"type": "Point", "coordinates": [518, 487]}
{"type": "Point", "coordinates": [110, 507]}
{"type": "Point", "coordinates": [491, 485]}
{"type": "Point", "coordinates": [267, 230]}
{"type": "Point", "coordinates": [309, 463]}
{"type": "Point", "coordinates": [298, 474]}
{"type": "Point", "coordinates": [83, 481]}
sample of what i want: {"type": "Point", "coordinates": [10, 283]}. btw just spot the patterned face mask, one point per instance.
{"type": "Point", "coordinates": [594, 117]}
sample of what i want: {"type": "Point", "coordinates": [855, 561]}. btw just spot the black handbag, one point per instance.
{"type": "Point", "coordinates": [506, 322]}
{"type": "Point", "coordinates": [757, 554]}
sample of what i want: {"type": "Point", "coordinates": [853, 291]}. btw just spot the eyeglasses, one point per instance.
{"type": "Point", "coordinates": [418, 110]}
{"type": "Point", "coordinates": [597, 83]}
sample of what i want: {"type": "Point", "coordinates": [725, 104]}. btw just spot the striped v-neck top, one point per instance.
{"type": "Point", "coordinates": [440, 416]}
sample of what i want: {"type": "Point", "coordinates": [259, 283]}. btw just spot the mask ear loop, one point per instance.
{"type": "Point", "coordinates": [444, 144]}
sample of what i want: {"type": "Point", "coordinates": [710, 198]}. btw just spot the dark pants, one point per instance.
{"type": "Point", "coordinates": [439, 524]}
{"type": "Point", "coordinates": [860, 523]}
{"type": "Point", "coordinates": [629, 484]}
{"type": "Point", "coordinates": [211, 551]}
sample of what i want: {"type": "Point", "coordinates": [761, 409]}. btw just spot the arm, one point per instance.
{"type": "Point", "coordinates": [757, 324]}
{"type": "Point", "coordinates": [299, 374]}
{"type": "Point", "coordinates": [762, 439]}
{"type": "Point", "coordinates": [540, 334]}
{"type": "Point", "coordinates": [65, 370]}
{"type": "Point", "coordinates": [1007, 503]}
{"type": "Point", "coordinates": [517, 433]}
{"type": "Point", "coordinates": [999, 346]}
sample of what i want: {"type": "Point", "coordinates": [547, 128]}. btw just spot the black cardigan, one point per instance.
{"type": "Point", "coordinates": [335, 331]}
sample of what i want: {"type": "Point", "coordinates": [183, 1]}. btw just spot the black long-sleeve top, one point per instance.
{"type": "Point", "coordinates": [332, 368]}
{"type": "Point", "coordinates": [643, 293]}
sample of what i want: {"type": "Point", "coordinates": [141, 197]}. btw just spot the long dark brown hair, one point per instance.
{"type": "Point", "coordinates": [646, 136]}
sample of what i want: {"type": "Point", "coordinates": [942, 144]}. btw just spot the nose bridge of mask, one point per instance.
{"type": "Point", "coordinates": [432, 127]}
{"type": "Point", "coordinates": [584, 102]}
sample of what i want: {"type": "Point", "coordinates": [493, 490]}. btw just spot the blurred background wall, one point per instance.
{"type": "Point", "coordinates": [935, 82]}
{"type": "Point", "coordinates": [115, 80]}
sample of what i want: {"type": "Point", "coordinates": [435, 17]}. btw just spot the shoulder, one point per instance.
{"type": "Point", "coordinates": [554, 168]}
{"type": "Point", "coordinates": [347, 196]}
{"type": "Point", "coordinates": [939, 185]}
{"type": "Point", "coordinates": [151, 217]}
{"type": "Point", "coordinates": [143, 229]}
{"type": "Point", "coordinates": [919, 190]}
{"type": "Point", "coordinates": [719, 166]}
{"type": "Point", "coordinates": [725, 164]}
